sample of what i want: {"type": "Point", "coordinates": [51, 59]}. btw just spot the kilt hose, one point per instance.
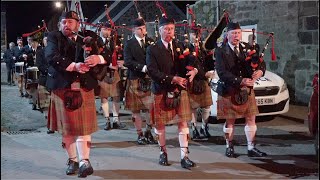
{"type": "Point", "coordinates": [227, 110]}
{"type": "Point", "coordinates": [162, 115]}
{"type": "Point", "coordinates": [80, 122]}
{"type": "Point", "coordinates": [32, 89]}
{"type": "Point", "coordinates": [110, 90]}
{"type": "Point", "coordinates": [20, 79]}
{"type": "Point", "coordinates": [43, 97]}
{"type": "Point", "coordinates": [136, 100]}
{"type": "Point", "coordinates": [200, 100]}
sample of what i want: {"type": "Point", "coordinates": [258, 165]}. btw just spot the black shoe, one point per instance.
{"type": "Point", "coordinates": [50, 131]}
{"type": "Point", "coordinates": [34, 107]}
{"type": "Point", "coordinates": [187, 163]}
{"type": "Point", "coordinates": [163, 159]}
{"type": "Point", "coordinates": [72, 167]}
{"type": "Point", "coordinates": [118, 125]}
{"type": "Point", "coordinates": [148, 135]}
{"type": "Point", "coordinates": [21, 95]}
{"type": "Point", "coordinates": [195, 134]}
{"type": "Point", "coordinates": [256, 153]}
{"type": "Point", "coordinates": [142, 140]}
{"type": "Point", "coordinates": [85, 170]}
{"type": "Point", "coordinates": [108, 126]}
{"type": "Point", "coordinates": [230, 152]}
{"type": "Point", "coordinates": [205, 131]}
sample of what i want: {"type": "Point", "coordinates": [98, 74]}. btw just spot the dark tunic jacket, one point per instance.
{"type": "Point", "coordinates": [232, 69]}
{"type": "Point", "coordinates": [60, 53]}
{"type": "Point", "coordinates": [161, 67]}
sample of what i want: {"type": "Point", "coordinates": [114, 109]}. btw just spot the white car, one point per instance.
{"type": "Point", "coordinates": [272, 95]}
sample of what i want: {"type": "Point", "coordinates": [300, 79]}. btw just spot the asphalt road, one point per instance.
{"type": "Point", "coordinates": [27, 152]}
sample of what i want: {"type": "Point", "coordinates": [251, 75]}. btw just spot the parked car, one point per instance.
{"type": "Point", "coordinates": [272, 96]}
{"type": "Point", "coordinates": [313, 113]}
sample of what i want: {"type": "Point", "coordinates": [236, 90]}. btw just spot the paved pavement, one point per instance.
{"type": "Point", "coordinates": [28, 152]}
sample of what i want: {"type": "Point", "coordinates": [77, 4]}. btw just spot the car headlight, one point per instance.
{"type": "Point", "coordinates": [284, 87]}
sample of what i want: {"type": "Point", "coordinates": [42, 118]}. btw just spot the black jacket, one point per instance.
{"type": "Point", "coordinates": [42, 65]}
{"type": "Point", "coordinates": [232, 69]}
{"type": "Point", "coordinates": [8, 58]}
{"type": "Point", "coordinates": [135, 57]}
{"type": "Point", "coordinates": [60, 53]}
{"type": "Point", "coordinates": [161, 67]}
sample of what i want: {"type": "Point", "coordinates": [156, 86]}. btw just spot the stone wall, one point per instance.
{"type": "Point", "coordinates": [295, 26]}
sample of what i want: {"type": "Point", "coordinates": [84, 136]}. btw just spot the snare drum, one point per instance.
{"type": "Point", "coordinates": [123, 73]}
{"type": "Point", "coordinates": [33, 74]}
{"type": "Point", "coordinates": [19, 68]}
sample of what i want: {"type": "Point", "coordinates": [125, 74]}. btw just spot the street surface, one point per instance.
{"type": "Point", "coordinates": [28, 152]}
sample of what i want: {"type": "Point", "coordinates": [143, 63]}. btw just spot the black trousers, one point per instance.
{"type": "Point", "coordinates": [10, 74]}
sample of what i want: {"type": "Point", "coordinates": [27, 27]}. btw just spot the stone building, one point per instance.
{"type": "Point", "coordinates": [295, 26]}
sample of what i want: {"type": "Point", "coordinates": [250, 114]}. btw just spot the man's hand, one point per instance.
{"type": "Point", "coordinates": [81, 67]}
{"type": "Point", "coordinates": [92, 60]}
{"type": "Point", "coordinates": [247, 82]}
{"type": "Point", "coordinates": [210, 74]}
{"type": "Point", "coordinates": [113, 67]}
{"type": "Point", "coordinates": [120, 64]}
{"type": "Point", "coordinates": [257, 74]}
{"type": "Point", "coordinates": [24, 56]}
{"type": "Point", "coordinates": [180, 81]}
{"type": "Point", "coordinates": [192, 74]}
{"type": "Point", "coordinates": [14, 58]}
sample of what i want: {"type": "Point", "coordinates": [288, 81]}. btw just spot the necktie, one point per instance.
{"type": "Point", "coordinates": [170, 50]}
{"type": "Point", "coordinates": [236, 50]}
{"type": "Point", "coordinates": [142, 43]}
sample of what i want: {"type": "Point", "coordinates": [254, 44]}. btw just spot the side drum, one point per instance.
{"type": "Point", "coordinates": [33, 74]}
{"type": "Point", "coordinates": [19, 68]}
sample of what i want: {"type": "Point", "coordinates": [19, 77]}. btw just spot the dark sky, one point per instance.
{"type": "Point", "coordinates": [25, 16]}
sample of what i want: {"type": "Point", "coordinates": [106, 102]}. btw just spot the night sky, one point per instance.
{"type": "Point", "coordinates": [25, 16]}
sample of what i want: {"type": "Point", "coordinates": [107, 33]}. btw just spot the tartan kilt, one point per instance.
{"type": "Point", "coordinates": [43, 96]}
{"type": "Point", "coordinates": [80, 122]}
{"type": "Point", "coordinates": [200, 100]}
{"type": "Point", "coordinates": [161, 115]}
{"type": "Point", "coordinates": [227, 110]}
{"type": "Point", "coordinates": [110, 90]}
{"type": "Point", "coordinates": [136, 100]}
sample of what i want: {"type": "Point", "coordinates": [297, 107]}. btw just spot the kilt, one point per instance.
{"type": "Point", "coordinates": [200, 100]}
{"type": "Point", "coordinates": [43, 97]}
{"type": "Point", "coordinates": [80, 122]}
{"type": "Point", "coordinates": [161, 115]}
{"type": "Point", "coordinates": [110, 90]}
{"type": "Point", "coordinates": [227, 110]}
{"type": "Point", "coordinates": [136, 100]}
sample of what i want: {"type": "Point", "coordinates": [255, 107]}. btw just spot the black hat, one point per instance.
{"type": "Point", "coordinates": [69, 15]}
{"type": "Point", "coordinates": [164, 21]}
{"type": "Point", "coordinates": [138, 22]}
{"type": "Point", "coordinates": [233, 26]}
{"type": "Point", "coordinates": [107, 25]}
{"type": "Point", "coordinates": [19, 38]}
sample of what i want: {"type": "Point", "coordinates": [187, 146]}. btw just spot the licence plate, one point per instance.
{"type": "Point", "coordinates": [265, 101]}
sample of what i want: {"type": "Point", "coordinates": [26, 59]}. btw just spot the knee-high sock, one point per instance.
{"type": "Point", "coordinates": [228, 135]}
{"type": "Point", "coordinates": [69, 143]}
{"type": "Point", "coordinates": [105, 107]}
{"type": "Point", "coordinates": [205, 116]}
{"type": "Point", "coordinates": [115, 109]}
{"type": "Point", "coordinates": [137, 122]}
{"type": "Point", "coordinates": [83, 146]}
{"type": "Point", "coordinates": [193, 119]}
{"type": "Point", "coordinates": [183, 141]}
{"type": "Point", "coordinates": [250, 134]}
{"type": "Point", "coordinates": [148, 125]}
{"type": "Point", "coordinates": [161, 135]}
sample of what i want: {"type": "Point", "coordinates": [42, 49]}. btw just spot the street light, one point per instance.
{"type": "Point", "coordinates": [58, 4]}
